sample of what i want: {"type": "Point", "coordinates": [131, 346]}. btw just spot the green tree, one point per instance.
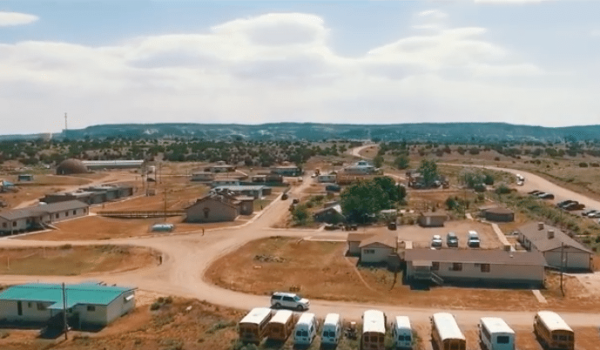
{"type": "Point", "coordinates": [361, 201]}
{"type": "Point", "coordinates": [300, 214]}
{"type": "Point", "coordinates": [396, 193]}
{"type": "Point", "coordinates": [378, 161]}
{"type": "Point", "coordinates": [402, 162]}
{"type": "Point", "coordinates": [429, 172]}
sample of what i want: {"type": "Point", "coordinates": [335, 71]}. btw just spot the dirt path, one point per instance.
{"type": "Point", "coordinates": [186, 258]}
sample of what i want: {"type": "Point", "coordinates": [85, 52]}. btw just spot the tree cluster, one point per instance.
{"type": "Point", "coordinates": [363, 200]}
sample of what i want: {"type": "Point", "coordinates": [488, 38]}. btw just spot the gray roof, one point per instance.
{"type": "Point", "coordinates": [482, 256]}
{"type": "Point", "coordinates": [539, 238]}
{"type": "Point", "coordinates": [23, 213]}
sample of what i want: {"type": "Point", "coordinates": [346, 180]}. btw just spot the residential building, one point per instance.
{"type": "Point", "coordinates": [327, 178]}
{"type": "Point", "coordinates": [378, 248]}
{"type": "Point", "coordinates": [256, 191]}
{"type": "Point", "coordinates": [221, 168]}
{"type": "Point", "coordinates": [354, 240]}
{"type": "Point", "coordinates": [113, 164]}
{"type": "Point", "coordinates": [475, 266]}
{"type": "Point", "coordinates": [87, 304]}
{"type": "Point", "coordinates": [361, 167]}
{"type": "Point", "coordinates": [498, 214]}
{"type": "Point", "coordinates": [286, 170]}
{"type": "Point", "coordinates": [219, 207]}
{"type": "Point", "coordinates": [558, 248]}
{"type": "Point", "coordinates": [91, 195]}
{"type": "Point", "coordinates": [267, 178]}
{"type": "Point", "coordinates": [331, 215]}
{"type": "Point", "coordinates": [24, 219]}
{"type": "Point", "coordinates": [203, 176]}
{"type": "Point", "coordinates": [432, 219]}
{"type": "Point", "coordinates": [225, 182]}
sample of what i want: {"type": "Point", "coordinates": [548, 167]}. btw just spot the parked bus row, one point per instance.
{"type": "Point", "coordinates": [551, 330]}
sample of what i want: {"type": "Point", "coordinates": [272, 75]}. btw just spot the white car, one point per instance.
{"type": "Point", "coordinates": [473, 241]}
{"type": "Point", "coordinates": [436, 241]}
{"type": "Point", "coordinates": [289, 301]}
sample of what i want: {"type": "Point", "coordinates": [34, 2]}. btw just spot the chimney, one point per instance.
{"type": "Point", "coordinates": [540, 226]}
{"type": "Point", "coordinates": [550, 234]}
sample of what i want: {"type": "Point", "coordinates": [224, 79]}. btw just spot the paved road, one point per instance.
{"type": "Point", "coordinates": [186, 258]}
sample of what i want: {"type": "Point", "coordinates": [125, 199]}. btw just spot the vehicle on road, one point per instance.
{"type": "Point", "coordinates": [564, 203]}
{"type": "Point", "coordinates": [545, 195]}
{"type": "Point", "coordinates": [289, 301]}
{"type": "Point", "coordinates": [473, 241]}
{"type": "Point", "coordinates": [573, 206]}
{"type": "Point", "coordinates": [451, 239]}
{"type": "Point", "coordinates": [436, 241]}
{"type": "Point", "coordinates": [306, 329]}
{"type": "Point", "coordinates": [332, 329]}
{"type": "Point", "coordinates": [445, 333]}
{"type": "Point", "coordinates": [300, 179]}
{"type": "Point", "coordinates": [402, 332]}
{"type": "Point", "coordinates": [373, 333]}
{"type": "Point", "coordinates": [552, 332]}
{"type": "Point", "coordinates": [253, 327]}
{"type": "Point", "coordinates": [590, 213]}
{"type": "Point", "coordinates": [534, 192]}
{"type": "Point", "coordinates": [495, 334]}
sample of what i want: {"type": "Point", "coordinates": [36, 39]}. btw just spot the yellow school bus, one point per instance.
{"type": "Point", "coordinates": [552, 331]}
{"type": "Point", "coordinates": [445, 333]}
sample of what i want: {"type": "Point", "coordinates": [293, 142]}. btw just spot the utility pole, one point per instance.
{"type": "Point", "coordinates": [165, 215]}
{"type": "Point", "coordinates": [64, 297]}
{"type": "Point", "coordinates": [562, 252]}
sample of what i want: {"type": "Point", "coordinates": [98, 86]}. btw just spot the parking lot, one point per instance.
{"type": "Point", "coordinates": [568, 205]}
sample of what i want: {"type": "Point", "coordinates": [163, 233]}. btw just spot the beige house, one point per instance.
{"type": "Point", "coordinates": [203, 176]}
{"type": "Point", "coordinates": [378, 248]}
{"type": "Point", "coordinates": [475, 266]}
{"type": "Point", "coordinates": [435, 219]}
{"type": "Point", "coordinates": [37, 217]}
{"type": "Point", "coordinates": [354, 240]}
{"type": "Point", "coordinates": [556, 246]}
{"type": "Point", "coordinates": [219, 207]}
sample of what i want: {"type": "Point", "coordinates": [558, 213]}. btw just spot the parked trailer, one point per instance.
{"type": "Point", "coordinates": [373, 333]}
{"type": "Point", "coordinates": [253, 327]}
{"type": "Point", "coordinates": [281, 325]}
{"type": "Point", "coordinates": [552, 331]}
{"type": "Point", "coordinates": [495, 334]}
{"type": "Point", "coordinates": [445, 333]}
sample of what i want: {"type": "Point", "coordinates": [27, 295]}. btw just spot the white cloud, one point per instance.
{"type": "Point", "coordinates": [8, 19]}
{"type": "Point", "coordinates": [247, 71]}
{"type": "Point", "coordinates": [595, 32]}
{"type": "Point", "coordinates": [432, 15]}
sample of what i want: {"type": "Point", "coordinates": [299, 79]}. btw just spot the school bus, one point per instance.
{"type": "Point", "coordinates": [445, 333]}
{"type": "Point", "coordinates": [552, 331]}
{"type": "Point", "coordinates": [373, 333]}
{"type": "Point", "coordinates": [253, 327]}
{"type": "Point", "coordinates": [281, 325]}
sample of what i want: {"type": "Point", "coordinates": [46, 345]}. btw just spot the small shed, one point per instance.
{"type": "Point", "coordinates": [498, 214]}
{"type": "Point", "coordinates": [433, 219]}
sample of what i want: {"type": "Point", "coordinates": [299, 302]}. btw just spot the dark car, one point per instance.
{"type": "Point", "coordinates": [546, 196]}
{"type": "Point", "coordinates": [574, 206]}
{"type": "Point", "coordinates": [451, 239]}
{"type": "Point", "coordinates": [565, 203]}
{"type": "Point", "coordinates": [534, 192]}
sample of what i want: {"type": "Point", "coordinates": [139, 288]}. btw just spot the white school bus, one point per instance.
{"type": "Point", "coordinates": [552, 331]}
{"type": "Point", "coordinates": [373, 332]}
{"type": "Point", "coordinates": [495, 334]}
{"type": "Point", "coordinates": [445, 333]}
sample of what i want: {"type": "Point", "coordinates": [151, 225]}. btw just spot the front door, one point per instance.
{"type": "Point", "coordinates": [19, 308]}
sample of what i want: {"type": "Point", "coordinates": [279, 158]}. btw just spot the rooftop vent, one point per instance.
{"type": "Point", "coordinates": [550, 234]}
{"type": "Point", "coordinates": [540, 226]}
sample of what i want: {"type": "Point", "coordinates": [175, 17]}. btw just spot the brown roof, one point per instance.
{"type": "Point", "coordinates": [223, 198]}
{"type": "Point", "coordinates": [482, 256]}
{"type": "Point", "coordinates": [358, 237]}
{"type": "Point", "coordinates": [387, 239]}
{"type": "Point", "coordinates": [23, 213]}
{"type": "Point", "coordinates": [539, 238]}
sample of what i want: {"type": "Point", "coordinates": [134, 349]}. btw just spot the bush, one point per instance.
{"type": "Point", "coordinates": [479, 188]}
{"type": "Point", "coordinates": [497, 159]}
{"type": "Point", "coordinates": [594, 165]}
{"type": "Point", "coordinates": [480, 197]}
{"type": "Point", "coordinates": [502, 189]}
{"type": "Point", "coordinates": [583, 165]}
{"type": "Point", "coordinates": [155, 306]}
{"type": "Point", "coordinates": [66, 246]}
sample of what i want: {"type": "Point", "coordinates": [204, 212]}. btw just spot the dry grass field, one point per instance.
{"type": "Point", "coordinates": [71, 261]}
{"type": "Point", "coordinates": [321, 271]}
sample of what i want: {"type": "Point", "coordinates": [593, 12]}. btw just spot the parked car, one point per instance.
{"type": "Point", "coordinates": [534, 192]}
{"type": "Point", "coordinates": [289, 301]}
{"type": "Point", "coordinates": [594, 215]}
{"type": "Point", "coordinates": [574, 206]}
{"type": "Point", "coordinates": [545, 195]}
{"type": "Point", "coordinates": [473, 240]}
{"type": "Point", "coordinates": [590, 213]}
{"type": "Point", "coordinates": [451, 239]}
{"type": "Point", "coordinates": [565, 203]}
{"type": "Point", "coordinates": [436, 241]}
{"type": "Point", "coordinates": [300, 179]}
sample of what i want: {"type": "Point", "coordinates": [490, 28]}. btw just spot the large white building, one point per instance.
{"type": "Point", "coordinates": [23, 219]}
{"type": "Point", "coordinates": [361, 167]}
{"type": "Point", "coordinates": [92, 305]}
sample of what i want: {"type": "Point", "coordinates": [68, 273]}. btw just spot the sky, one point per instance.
{"type": "Point", "coordinates": [534, 62]}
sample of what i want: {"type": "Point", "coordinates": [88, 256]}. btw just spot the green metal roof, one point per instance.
{"type": "Point", "coordinates": [84, 293]}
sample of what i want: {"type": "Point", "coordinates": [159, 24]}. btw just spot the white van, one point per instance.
{"type": "Point", "coordinates": [306, 329]}
{"type": "Point", "coordinates": [402, 333]}
{"type": "Point", "coordinates": [332, 329]}
{"type": "Point", "coordinates": [495, 334]}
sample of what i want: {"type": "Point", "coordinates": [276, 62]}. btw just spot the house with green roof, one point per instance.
{"type": "Point", "coordinates": [86, 304]}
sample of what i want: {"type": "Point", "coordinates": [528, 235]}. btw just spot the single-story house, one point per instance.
{"type": "Point", "coordinates": [23, 219]}
{"type": "Point", "coordinates": [433, 219]}
{"type": "Point", "coordinates": [378, 248]}
{"type": "Point", "coordinates": [286, 170]}
{"type": "Point", "coordinates": [25, 177]}
{"type": "Point", "coordinates": [246, 205]}
{"type": "Point", "coordinates": [327, 178]}
{"type": "Point", "coordinates": [113, 164]}
{"type": "Point", "coordinates": [556, 246]}
{"type": "Point", "coordinates": [93, 305]}
{"type": "Point", "coordinates": [203, 176]}
{"type": "Point", "coordinates": [225, 182]}
{"type": "Point", "coordinates": [80, 195]}
{"type": "Point", "coordinates": [475, 266]}
{"type": "Point", "coordinates": [498, 214]}
{"type": "Point", "coordinates": [354, 240]}
{"type": "Point", "coordinates": [213, 208]}
{"type": "Point", "coordinates": [332, 215]}
{"type": "Point", "coordinates": [267, 178]}
{"type": "Point", "coordinates": [221, 168]}
{"type": "Point", "coordinates": [256, 191]}
{"type": "Point", "coordinates": [361, 167]}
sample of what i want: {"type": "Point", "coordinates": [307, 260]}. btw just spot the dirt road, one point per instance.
{"type": "Point", "coordinates": [186, 258]}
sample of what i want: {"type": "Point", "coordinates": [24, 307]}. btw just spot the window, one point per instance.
{"type": "Point", "coordinates": [401, 338]}
{"type": "Point", "coordinates": [369, 251]}
{"type": "Point", "coordinates": [29, 304]}
{"type": "Point", "coordinates": [74, 212]}
{"type": "Point", "coordinates": [435, 266]}
{"type": "Point", "coordinates": [503, 339]}
{"type": "Point", "coordinates": [305, 333]}
{"type": "Point", "coordinates": [14, 224]}
{"type": "Point", "coordinates": [485, 267]}
{"type": "Point", "coordinates": [4, 224]}
{"type": "Point", "coordinates": [91, 308]}
{"type": "Point", "coordinates": [299, 333]}
{"type": "Point", "coordinates": [66, 213]}
{"type": "Point", "coordinates": [206, 212]}
{"type": "Point", "coordinates": [290, 299]}
{"type": "Point", "coordinates": [456, 267]}
{"type": "Point", "coordinates": [41, 306]}
{"type": "Point", "coordinates": [57, 215]}
{"type": "Point", "coordinates": [408, 338]}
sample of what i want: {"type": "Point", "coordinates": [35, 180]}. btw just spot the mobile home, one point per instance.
{"type": "Point", "coordinates": [373, 333]}
{"type": "Point", "coordinates": [253, 327]}
{"type": "Point", "coordinates": [402, 333]}
{"type": "Point", "coordinates": [552, 331]}
{"type": "Point", "coordinates": [332, 329]}
{"type": "Point", "coordinates": [495, 334]}
{"type": "Point", "coordinates": [445, 333]}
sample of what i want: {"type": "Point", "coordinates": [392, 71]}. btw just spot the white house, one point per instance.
{"type": "Point", "coordinates": [225, 182]}
{"type": "Point", "coordinates": [377, 249]}
{"type": "Point", "coordinates": [327, 178]}
{"type": "Point", "coordinates": [555, 244]}
{"type": "Point", "coordinates": [203, 176]}
{"type": "Point", "coordinates": [361, 167]}
{"type": "Point", "coordinates": [91, 304]}
{"type": "Point", "coordinates": [23, 219]}
{"type": "Point", "coordinates": [475, 266]}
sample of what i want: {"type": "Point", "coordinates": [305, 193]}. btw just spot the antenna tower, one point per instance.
{"type": "Point", "coordinates": [66, 126]}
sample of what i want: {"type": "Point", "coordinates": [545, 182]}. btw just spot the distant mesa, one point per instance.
{"type": "Point", "coordinates": [71, 166]}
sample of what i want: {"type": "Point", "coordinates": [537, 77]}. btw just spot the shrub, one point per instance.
{"type": "Point", "coordinates": [479, 188]}
{"type": "Point", "coordinates": [66, 246]}
{"type": "Point", "coordinates": [480, 197]}
{"type": "Point", "coordinates": [155, 306]}
{"type": "Point", "coordinates": [583, 165]}
{"type": "Point", "coordinates": [502, 189]}
{"type": "Point", "coordinates": [497, 159]}
{"type": "Point", "coordinates": [594, 165]}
